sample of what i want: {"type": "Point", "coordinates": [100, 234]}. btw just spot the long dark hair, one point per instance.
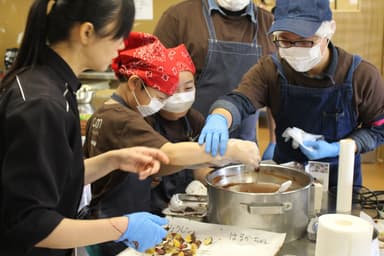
{"type": "Point", "coordinates": [42, 28]}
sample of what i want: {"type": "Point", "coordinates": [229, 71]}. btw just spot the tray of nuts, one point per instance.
{"type": "Point", "coordinates": [176, 245]}
{"type": "Point", "coordinates": [193, 238]}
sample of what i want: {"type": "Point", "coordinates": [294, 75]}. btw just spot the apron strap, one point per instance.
{"type": "Point", "coordinates": [356, 60]}
{"type": "Point", "coordinates": [117, 98]}
{"type": "Point", "coordinates": [211, 27]}
{"type": "Point", "coordinates": [160, 129]}
{"type": "Point", "coordinates": [348, 80]}
{"type": "Point", "coordinates": [208, 20]}
{"type": "Point", "coordinates": [278, 65]}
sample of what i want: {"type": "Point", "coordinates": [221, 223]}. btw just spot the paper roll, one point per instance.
{"type": "Point", "coordinates": [343, 235]}
{"type": "Point", "coordinates": [345, 178]}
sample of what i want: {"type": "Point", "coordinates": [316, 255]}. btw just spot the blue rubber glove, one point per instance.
{"type": "Point", "coordinates": [320, 149]}
{"type": "Point", "coordinates": [268, 152]}
{"type": "Point", "coordinates": [144, 231]}
{"type": "Point", "coordinates": [215, 134]}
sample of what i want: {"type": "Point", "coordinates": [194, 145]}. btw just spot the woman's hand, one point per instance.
{"type": "Point", "coordinates": [142, 160]}
{"type": "Point", "coordinates": [144, 231]}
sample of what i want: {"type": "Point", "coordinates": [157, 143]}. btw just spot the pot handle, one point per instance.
{"type": "Point", "coordinates": [265, 209]}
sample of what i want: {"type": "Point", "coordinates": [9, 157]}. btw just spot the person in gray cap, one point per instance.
{"type": "Point", "coordinates": [310, 84]}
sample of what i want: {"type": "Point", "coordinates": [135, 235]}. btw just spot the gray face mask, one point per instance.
{"type": "Point", "coordinates": [153, 107]}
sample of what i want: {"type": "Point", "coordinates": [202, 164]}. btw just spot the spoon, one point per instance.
{"type": "Point", "coordinates": [284, 186]}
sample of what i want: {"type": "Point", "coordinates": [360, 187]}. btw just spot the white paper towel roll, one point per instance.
{"type": "Point", "coordinates": [343, 235]}
{"type": "Point", "coordinates": [345, 177]}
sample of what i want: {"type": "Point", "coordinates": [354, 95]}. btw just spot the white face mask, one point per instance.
{"type": "Point", "coordinates": [146, 110]}
{"type": "Point", "coordinates": [180, 102]}
{"type": "Point", "coordinates": [233, 5]}
{"type": "Point", "coordinates": [302, 59]}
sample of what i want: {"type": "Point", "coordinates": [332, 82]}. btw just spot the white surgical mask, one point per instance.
{"type": "Point", "coordinates": [233, 5]}
{"type": "Point", "coordinates": [153, 107]}
{"type": "Point", "coordinates": [180, 102]}
{"type": "Point", "coordinates": [302, 59]}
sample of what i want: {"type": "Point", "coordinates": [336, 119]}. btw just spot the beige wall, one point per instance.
{"type": "Point", "coordinates": [159, 7]}
{"type": "Point", "coordinates": [363, 32]}
{"type": "Point", "coordinates": [13, 14]}
{"type": "Point", "coordinates": [359, 32]}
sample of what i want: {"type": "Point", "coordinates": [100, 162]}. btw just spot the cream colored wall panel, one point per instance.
{"type": "Point", "coordinates": [362, 32]}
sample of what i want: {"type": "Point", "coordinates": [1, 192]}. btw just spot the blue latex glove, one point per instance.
{"type": "Point", "coordinates": [268, 153]}
{"type": "Point", "coordinates": [320, 149]}
{"type": "Point", "coordinates": [215, 134]}
{"type": "Point", "coordinates": [144, 231]}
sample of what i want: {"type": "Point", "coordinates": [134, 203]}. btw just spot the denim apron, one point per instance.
{"type": "Point", "coordinates": [174, 183]}
{"type": "Point", "coordinates": [325, 111]}
{"type": "Point", "coordinates": [225, 64]}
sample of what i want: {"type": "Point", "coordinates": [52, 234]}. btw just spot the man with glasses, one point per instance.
{"type": "Point", "coordinates": [310, 84]}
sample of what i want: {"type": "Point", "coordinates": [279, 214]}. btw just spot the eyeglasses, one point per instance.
{"type": "Point", "coordinates": [287, 44]}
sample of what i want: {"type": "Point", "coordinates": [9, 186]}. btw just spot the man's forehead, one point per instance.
{"type": "Point", "coordinates": [293, 36]}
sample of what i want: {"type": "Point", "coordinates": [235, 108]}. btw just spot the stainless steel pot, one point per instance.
{"type": "Point", "coordinates": [239, 195]}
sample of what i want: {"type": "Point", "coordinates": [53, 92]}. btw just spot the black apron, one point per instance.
{"type": "Point", "coordinates": [174, 183]}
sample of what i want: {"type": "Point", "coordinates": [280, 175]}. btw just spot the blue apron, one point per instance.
{"type": "Point", "coordinates": [325, 111]}
{"type": "Point", "coordinates": [225, 64]}
{"type": "Point", "coordinates": [174, 183]}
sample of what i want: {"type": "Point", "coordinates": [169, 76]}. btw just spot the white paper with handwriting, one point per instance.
{"type": "Point", "coordinates": [227, 240]}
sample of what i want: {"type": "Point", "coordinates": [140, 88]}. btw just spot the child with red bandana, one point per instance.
{"type": "Point", "coordinates": [149, 75]}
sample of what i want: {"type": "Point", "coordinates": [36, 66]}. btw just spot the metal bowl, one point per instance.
{"type": "Point", "coordinates": [84, 95]}
{"type": "Point", "coordinates": [242, 196]}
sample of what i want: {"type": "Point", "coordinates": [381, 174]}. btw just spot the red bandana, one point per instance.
{"type": "Point", "coordinates": [183, 59]}
{"type": "Point", "coordinates": [144, 56]}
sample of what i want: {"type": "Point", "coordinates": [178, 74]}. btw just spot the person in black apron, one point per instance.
{"type": "Point", "coordinates": [177, 122]}
{"type": "Point", "coordinates": [311, 85]}
{"type": "Point", "coordinates": [175, 183]}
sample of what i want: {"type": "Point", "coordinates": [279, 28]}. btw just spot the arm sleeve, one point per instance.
{"type": "Point", "coordinates": [369, 104]}
{"type": "Point", "coordinates": [137, 132]}
{"type": "Point", "coordinates": [370, 137]}
{"type": "Point", "coordinates": [237, 104]}
{"type": "Point", "coordinates": [34, 170]}
{"type": "Point", "coordinates": [251, 94]}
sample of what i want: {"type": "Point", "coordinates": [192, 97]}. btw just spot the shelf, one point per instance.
{"type": "Point", "coordinates": [97, 75]}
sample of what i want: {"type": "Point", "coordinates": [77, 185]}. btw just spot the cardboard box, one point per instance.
{"type": "Point", "coordinates": [369, 157]}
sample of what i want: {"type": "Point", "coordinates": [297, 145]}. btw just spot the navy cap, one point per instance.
{"type": "Point", "coordinates": [301, 17]}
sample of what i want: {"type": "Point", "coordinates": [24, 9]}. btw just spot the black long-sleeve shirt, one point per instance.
{"type": "Point", "coordinates": [42, 169]}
